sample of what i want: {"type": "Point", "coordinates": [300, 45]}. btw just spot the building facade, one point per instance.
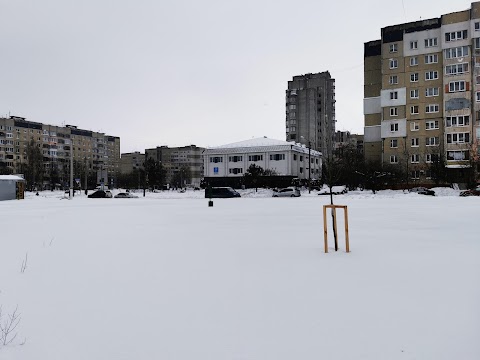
{"type": "Point", "coordinates": [96, 152]}
{"type": "Point", "coordinates": [422, 95]}
{"type": "Point", "coordinates": [184, 163]}
{"type": "Point", "coordinates": [344, 138]}
{"type": "Point", "coordinates": [227, 164]}
{"type": "Point", "coordinates": [131, 161]}
{"type": "Point", "coordinates": [310, 111]}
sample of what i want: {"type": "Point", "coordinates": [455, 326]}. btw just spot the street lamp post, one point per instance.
{"type": "Point", "coordinates": [309, 165]}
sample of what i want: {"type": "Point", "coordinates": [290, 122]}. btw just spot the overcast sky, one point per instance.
{"type": "Point", "coordinates": [186, 72]}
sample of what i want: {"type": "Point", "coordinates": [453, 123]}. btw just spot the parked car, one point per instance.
{"type": "Point", "coordinates": [124, 195]}
{"type": "Point", "coordinates": [100, 194]}
{"type": "Point", "coordinates": [422, 190]}
{"type": "Point", "coordinates": [286, 192]}
{"type": "Point", "coordinates": [221, 192]}
{"type": "Point", "coordinates": [471, 192]}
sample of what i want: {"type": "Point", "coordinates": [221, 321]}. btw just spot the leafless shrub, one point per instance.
{"type": "Point", "coordinates": [8, 325]}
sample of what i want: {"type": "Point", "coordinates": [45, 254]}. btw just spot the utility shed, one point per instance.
{"type": "Point", "coordinates": [11, 187]}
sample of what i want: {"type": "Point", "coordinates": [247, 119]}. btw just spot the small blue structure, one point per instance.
{"type": "Point", "coordinates": [12, 187]}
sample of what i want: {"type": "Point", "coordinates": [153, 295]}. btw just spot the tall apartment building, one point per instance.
{"type": "Point", "coordinates": [98, 152]}
{"type": "Point", "coordinates": [175, 159]}
{"type": "Point", "coordinates": [422, 94]}
{"type": "Point", "coordinates": [310, 111]}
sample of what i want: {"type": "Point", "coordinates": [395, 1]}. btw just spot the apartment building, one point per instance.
{"type": "Point", "coordinates": [422, 95]}
{"type": "Point", "coordinates": [185, 162]}
{"type": "Point", "coordinates": [310, 111]}
{"type": "Point", "coordinates": [345, 138]}
{"type": "Point", "coordinates": [96, 151]}
{"type": "Point", "coordinates": [131, 161]}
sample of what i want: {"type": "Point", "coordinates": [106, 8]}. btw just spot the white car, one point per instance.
{"type": "Point", "coordinates": [286, 192]}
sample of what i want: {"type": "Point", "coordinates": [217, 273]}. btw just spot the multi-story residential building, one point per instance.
{"type": "Point", "coordinates": [177, 160]}
{"type": "Point", "coordinates": [310, 111]}
{"type": "Point", "coordinates": [226, 165]}
{"type": "Point", "coordinates": [96, 151]}
{"type": "Point", "coordinates": [131, 161]}
{"type": "Point", "coordinates": [343, 138]}
{"type": "Point", "coordinates": [422, 95]}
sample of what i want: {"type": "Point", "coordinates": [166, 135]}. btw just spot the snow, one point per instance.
{"type": "Point", "coordinates": [167, 277]}
{"type": "Point", "coordinates": [10, 177]}
{"type": "Point", "coordinates": [255, 142]}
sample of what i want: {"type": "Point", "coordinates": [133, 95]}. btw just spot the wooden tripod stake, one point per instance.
{"type": "Point", "coordinates": [325, 232]}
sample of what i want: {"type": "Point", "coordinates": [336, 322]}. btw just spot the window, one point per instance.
{"type": "Point", "coordinates": [393, 63]}
{"type": "Point", "coordinates": [431, 59]}
{"type": "Point", "coordinates": [235, 158]}
{"type": "Point", "coordinates": [414, 94]}
{"type": "Point", "coordinates": [393, 95]}
{"type": "Point", "coordinates": [414, 45]}
{"type": "Point", "coordinates": [414, 126]}
{"type": "Point", "coordinates": [458, 155]}
{"type": "Point", "coordinates": [415, 174]}
{"type": "Point", "coordinates": [432, 141]}
{"type": "Point", "coordinates": [415, 142]}
{"type": "Point", "coordinates": [393, 80]}
{"type": "Point", "coordinates": [457, 86]}
{"type": "Point", "coordinates": [431, 125]}
{"type": "Point", "coordinates": [457, 52]}
{"type": "Point", "coordinates": [393, 48]}
{"type": "Point", "coordinates": [260, 157]}
{"type": "Point", "coordinates": [235, 171]}
{"type": "Point", "coordinates": [394, 127]}
{"type": "Point", "coordinates": [277, 157]}
{"type": "Point", "coordinates": [293, 107]}
{"type": "Point", "coordinates": [393, 159]}
{"type": "Point", "coordinates": [432, 108]}
{"type": "Point", "coordinates": [477, 43]}
{"type": "Point", "coordinates": [9, 128]}
{"type": "Point", "coordinates": [9, 136]}
{"type": "Point", "coordinates": [430, 158]}
{"type": "Point", "coordinates": [431, 42]}
{"type": "Point", "coordinates": [413, 61]}
{"type": "Point", "coordinates": [431, 75]}
{"type": "Point", "coordinates": [458, 138]}
{"type": "Point", "coordinates": [456, 69]}
{"type": "Point", "coordinates": [414, 109]}
{"type": "Point", "coordinates": [393, 143]}
{"type": "Point", "coordinates": [456, 35]}
{"type": "Point", "coordinates": [477, 26]}
{"type": "Point", "coordinates": [429, 92]}
{"type": "Point", "coordinates": [415, 158]}
{"type": "Point", "coordinates": [294, 157]}
{"type": "Point", "coordinates": [460, 120]}
{"type": "Point", "coordinates": [477, 96]}
{"type": "Point", "coordinates": [215, 159]}
{"type": "Point", "coordinates": [393, 111]}
{"type": "Point", "coordinates": [414, 77]}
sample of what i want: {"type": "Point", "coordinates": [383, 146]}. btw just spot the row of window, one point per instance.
{"type": "Point", "coordinates": [429, 75]}
{"type": "Point", "coordinates": [414, 110]}
{"type": "Point", "coordinates": [415, 142]}
{"type": "Point", "coordinates": [431, 42]}
{"type": "Point", "coordinates": [414, 126]}
{"type": "Point", "coordinates": [273, 157]}
{"type": "Point", "coordinates": [415, 158]}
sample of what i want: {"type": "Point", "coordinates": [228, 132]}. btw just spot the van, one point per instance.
{"type": "Point", "coordinates": [221, 192]}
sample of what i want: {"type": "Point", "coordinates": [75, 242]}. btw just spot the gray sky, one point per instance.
{"type": "Point", "coordinates": [186, 72]}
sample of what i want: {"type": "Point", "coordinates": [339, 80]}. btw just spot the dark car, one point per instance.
{"type": "Point", "coordinates": [221, 192]}
{"type": "Point", "coordinates": [100, 194]}
{"type": "Point", "coordinates": [471, 192]}
{"type": "Point", "coordinates": [422, 190]}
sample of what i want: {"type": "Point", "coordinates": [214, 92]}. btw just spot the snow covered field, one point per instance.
{"type": "Point", "coordinates": [166, 277]}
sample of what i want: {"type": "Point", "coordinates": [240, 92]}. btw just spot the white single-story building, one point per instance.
{"type": "Point", "coordinates": [285, 159]}
{"type": "Point", "coordinates": [12, 187]}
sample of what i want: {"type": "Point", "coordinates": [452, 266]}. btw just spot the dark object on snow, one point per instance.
{"type": "Point", "coordinates": [471, 192]}
{"type": "Point", "coordinates": [100, 194]}
{"type": "Point", "coordinates": [221, 192]}
{"type": "Point", "coordinates": [422, 190]}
